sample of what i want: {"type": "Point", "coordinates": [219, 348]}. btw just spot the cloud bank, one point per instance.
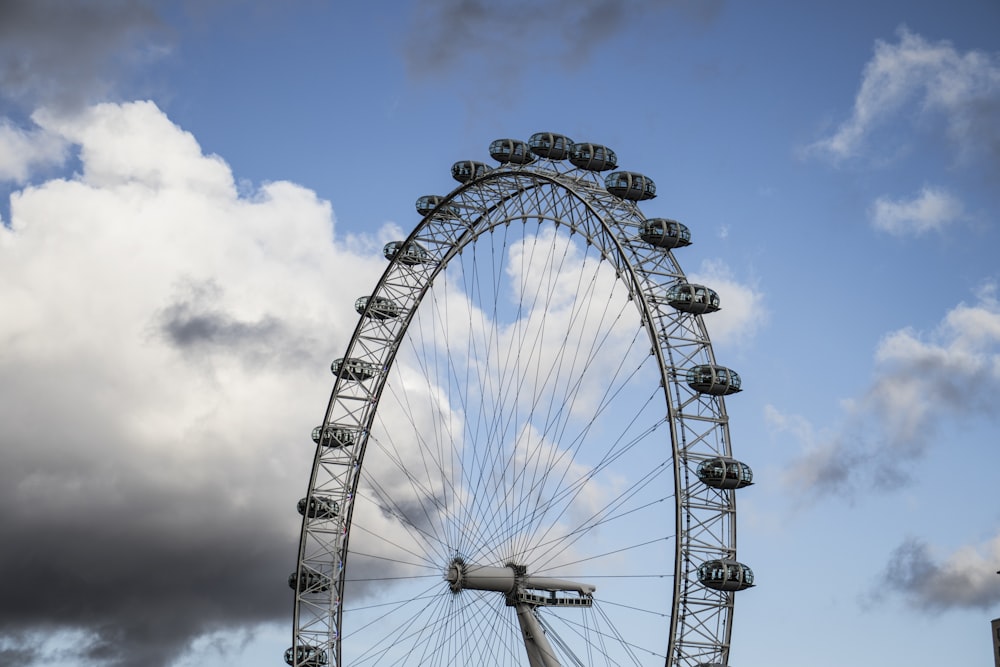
{"type": "Point", "coordinates": [163, 357]}
{"type": "Point", "coordinates": [919, 379]}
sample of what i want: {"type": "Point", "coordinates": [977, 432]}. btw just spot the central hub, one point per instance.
{"type": "Point", "coordinates": [510, 580]}
{"type": "Point", "coordinates": [462, 575]}
{"type": "Point", "coordinates": [525, 593]}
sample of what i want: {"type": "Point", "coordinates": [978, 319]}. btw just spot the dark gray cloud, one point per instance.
{"type": "Point", "coordinates": [141, 588]}
{"type": "Point", "coordinates": [141, 546]}
{"type": "Point", "coordinates": [159, 379]}
{"type": "Point", "coordinates": [966, 580]}
{"type": "Point", "coordinates": [196, 321]}
{"type": "Point", "coordinates": [9, 657]}
{"type": "Point", "coordinates": [65, 54]}
{"type": "Point", "coordinates": [508, 37]}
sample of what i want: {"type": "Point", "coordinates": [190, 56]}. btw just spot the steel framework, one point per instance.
{"type": "Point", "coordinates": [505, 434]}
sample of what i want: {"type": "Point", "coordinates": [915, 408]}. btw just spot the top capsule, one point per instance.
{"type": "Point", "coordinates": [593, 157]}
{"type": "Point", "coordinates": [511, 151]}
{"type": "Point", "coordinates": [551, 146]}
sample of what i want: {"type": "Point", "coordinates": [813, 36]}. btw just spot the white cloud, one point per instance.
{"type": "Point", "coordinates": [22, 151]}
{"type": "Point", "coordinates": [743, 311]}
{"type": "Point", "coordinates": [932, 209]}
{"type": "Point", "coordinates": [919, 380]}
{"type": "Point", "coordinates": [163, 356]}
{"type": "Point", "coordinates": [936, 79]}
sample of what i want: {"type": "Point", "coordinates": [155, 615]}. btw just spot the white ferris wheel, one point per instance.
{"type": "Point", "coordinates": [525, 459]}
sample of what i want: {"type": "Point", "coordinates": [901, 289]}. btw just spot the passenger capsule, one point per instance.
{"type": "Point", "coordinates": [549, 145]}
{"type": "Point", "coordinates": [665, 233]}
{"type": "Point", "coordinates": [630, 185]}
{"type": "Point", "coordinates": [305, 655]}
{"type": "Point", "coordinates": [512, 151]}
{"type": "Point", "coordinates": [714, 380]}
{"type": "Point", "coordinates": [318, 507]}
{"type": "Point", "coordinates": [381, 308]}
{"type": "Point", "coordinates": [725, 473]}
{"type": "Point", "coordinates": [696, 299]}
{"type": "Point", "coordinates": [310, 581]}
{"type": "Point", "coordinates": [334, 436]}
{"type": "Point", "coordinates": [427, 204]}
{"type": "Point", "coordinates": [466, 170]}
{"type": "Point", "coordinates": [352, 369]}
{"type": "Point", "coordinates": [592, 157]}
{"type": "Point", "coordinates": [410, 254]}
{"type": "Point", "coordinates": [725, 575]}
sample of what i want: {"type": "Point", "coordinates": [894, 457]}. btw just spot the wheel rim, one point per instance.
{"type": "Point", "coordinates": [526, 407]}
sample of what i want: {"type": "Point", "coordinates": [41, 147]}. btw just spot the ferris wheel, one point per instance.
{"type": "Point", "coordinates": [526, 458]}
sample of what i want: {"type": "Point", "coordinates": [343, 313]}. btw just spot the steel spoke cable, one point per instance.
{"type": "Point", "coordinates": [396, 457]}
{"type": "Point", "coordinates": [539, 333]}
{"type": "Point", "coordinates": [422, 596]}
{"type": "Point", "coordinates": [607, 509]}
{"type": "Point", "coordinates": [410, 528]}
{"type": "Point", "coordinates": [554, 374]}
{"type": "Point", "coordinates": [581, 436]}
{"type": "Point", "coordinates": [569, 494]}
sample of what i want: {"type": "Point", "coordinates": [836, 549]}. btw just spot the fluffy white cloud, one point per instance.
{"type": "Point", "coordinates": [743, 311]}
{"type": "Point", "coordinates": [932, 209]}
{"type": "Point", "coordinates": [919, 379]}
{"type": "Point", "coordinates": [22, 151]}
{"type": "Point", "coordinates": [163, 356]}
{"type": "Point", "coordinates": [940, 81]}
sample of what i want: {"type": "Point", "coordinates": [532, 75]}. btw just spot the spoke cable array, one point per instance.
{"type": "Point", "coordinates": [517, 396]}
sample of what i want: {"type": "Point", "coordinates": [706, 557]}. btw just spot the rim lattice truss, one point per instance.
{"type": "Point", "coordinates": [526, 455]}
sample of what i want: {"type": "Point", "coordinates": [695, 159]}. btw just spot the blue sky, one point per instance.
{"type": "Point", "coordinates": [194, 194]}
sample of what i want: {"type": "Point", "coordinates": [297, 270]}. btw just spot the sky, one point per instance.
{"type": "Point", "coordinates": [192, 195]}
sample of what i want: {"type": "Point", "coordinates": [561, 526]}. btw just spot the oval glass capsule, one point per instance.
{"type": "Point", "coordinates": [511, 151]}
{"type": "Point", "coordinates": [334, 436]}
{"type": "Point", "coordinates": [305, 655]}
{"type": "Point", "coordinates": [713, 380]}
{"type": "Point", "coordinates": [352, 369]}
{"type": "Point", "coordinates": [410, 254]}
{"type": "Point", "coordinates": [381, 308]}
{"type": "Point", "coordinates": [592, 157]}
{"type": "Point", "coordinates": [467, 170]}
{"type": "Point", "coordinates": [725, 575]}
{"type": "Point", "coordinates": [318, 507]}
{"type": "Point", "coordinates": [665, 233]}
{"type": "Point", "coordinates": [695, 299]}
{"type": "Point", "coordinates": [630, 185]}
{"type": "Point", "coordinates": [725, 473]}
{"type": "Point", "coordinates": [550, 145]}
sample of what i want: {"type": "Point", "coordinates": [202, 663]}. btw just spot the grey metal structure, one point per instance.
{"type": "Point", "coordinates": [525, 458]}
